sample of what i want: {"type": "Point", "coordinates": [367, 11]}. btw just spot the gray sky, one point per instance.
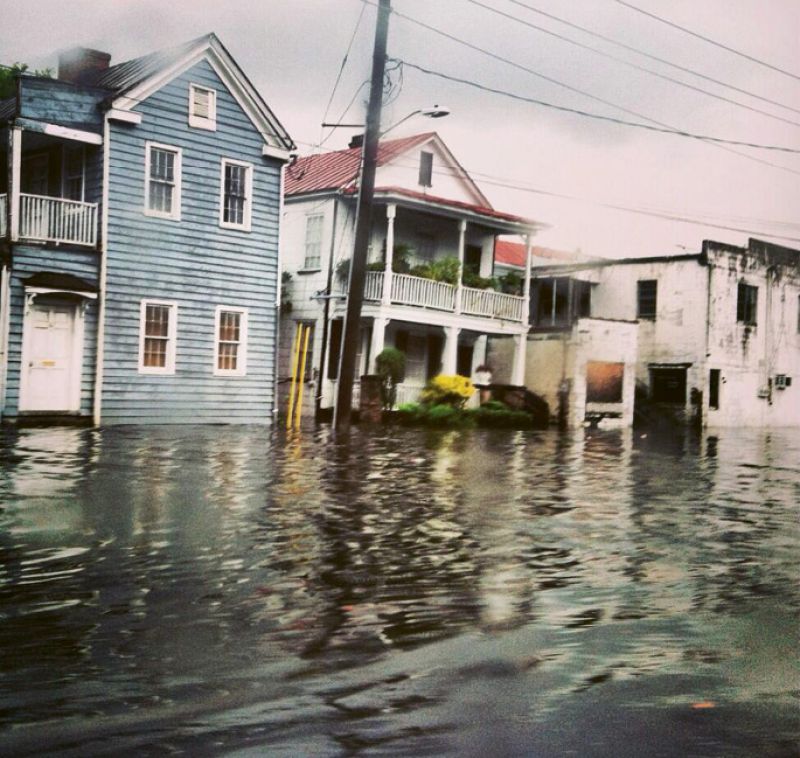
{"type": "Point", "coordinates": [292, 51]}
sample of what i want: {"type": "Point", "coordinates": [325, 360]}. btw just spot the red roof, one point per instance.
{"type": "Point", "coordinates": [338, 169]}
{"type": "Point", "coordinates": [513, 254]}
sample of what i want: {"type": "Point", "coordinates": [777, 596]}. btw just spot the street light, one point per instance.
{"type": "Point", "coordinates": [436, 111]}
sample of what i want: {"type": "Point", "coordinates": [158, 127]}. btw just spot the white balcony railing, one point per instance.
{"type": "Point", "coordinates": [54, 219]}
{"type": "Point", "coordinates": [477, 302]}
{"type": "Point", "coordinates": [427, 293]}
{"type": "Point", "coordinates": [3, 215]}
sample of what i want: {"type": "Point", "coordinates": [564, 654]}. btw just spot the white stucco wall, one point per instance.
{"type": "Point", "coordinates": [446, 180]}
{"type": "Point", "coordinates": [748, 357]}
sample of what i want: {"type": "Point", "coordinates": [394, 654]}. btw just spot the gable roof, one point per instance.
{"type": "Point", "coordinates": [338, 171]}
{"type": "Point", "coordinates": [134, 80]}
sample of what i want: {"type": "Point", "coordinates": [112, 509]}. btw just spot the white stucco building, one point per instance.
{"type": "Point", "coordinates": [427, 210]}
{"type": "Point", "coordinates": [718, 331]}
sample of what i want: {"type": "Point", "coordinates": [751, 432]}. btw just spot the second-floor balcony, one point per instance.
{"type": "Point", "coordinates": [405, 289]}
{"type": "Point", "coordinates": [52, 219]}
{"type": "Point", "coordinates": [58, 220]}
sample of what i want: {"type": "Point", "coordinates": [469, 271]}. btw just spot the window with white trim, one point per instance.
{"type": "Point", "coordinates": [157, 332]}
{"type": "Point", "coordinates": [162, 192]}
{"type": "Point", "coordinates": [313, 241]}
{"type": "Point", "coordinates": [230, 341]}
{"type": "Point", "coordinates": [202, 107]}
{"type": "Point", "coordinates": [236, 191]}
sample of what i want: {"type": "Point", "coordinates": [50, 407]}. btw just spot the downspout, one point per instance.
{"type": "Point", "coordinates": [325, 315]}
{"type": "Point", "coordinates": [278, 291]}
{"type": "Point", "coordinates": [101, 295]}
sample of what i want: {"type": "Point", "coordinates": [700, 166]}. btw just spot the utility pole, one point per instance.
{"type": "Point", "coordinates": [358, 263]}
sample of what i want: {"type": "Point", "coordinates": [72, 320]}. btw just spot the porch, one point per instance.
{"type": "Point", "coordinates": [50, 189]}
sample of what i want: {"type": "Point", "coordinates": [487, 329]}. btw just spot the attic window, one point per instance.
{"type": "Point", "coordinates": [202, 107]}
{"type": "Point", "coordinates": [426, 169]}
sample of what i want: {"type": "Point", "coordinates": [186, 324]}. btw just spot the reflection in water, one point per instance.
{"type": "Point", "coordinates": [405, 590]}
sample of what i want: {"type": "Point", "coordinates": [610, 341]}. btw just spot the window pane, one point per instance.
{"type": "Point", "coordinates": [157, 321]}
{"type": "Point", "coordinates": [162, 165]}
{"type": "Point", "coordinates": [229, 326]}
{"type": "Point", "coordinates": [155, 352]}
{"type": "Point", "coordinates": [235, 194]}
{"type": "Point", "coordinates": [228, 354]}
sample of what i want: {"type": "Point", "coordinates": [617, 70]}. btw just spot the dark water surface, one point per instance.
{"type": "Point", "coordinates": [230, 591]}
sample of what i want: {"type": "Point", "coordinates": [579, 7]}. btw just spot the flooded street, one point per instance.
{"type": "Point", "coordinates": [222, 590]}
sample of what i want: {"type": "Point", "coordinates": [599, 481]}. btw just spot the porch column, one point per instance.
{"type": "Point", "coordinates": [450, 353]}
{"type": "Point", "coordinates": [391, 212]}
{"type": "Point", "coordinates": [526, 288]}
{"type": "Point", "coordinates": [518, 371]}
{"type": "Point", "coordinates": [378, 339]}
{"type": "Point", "coordinates": [462, 232]}
{"type": "Point", "coordinates": [14, 168]}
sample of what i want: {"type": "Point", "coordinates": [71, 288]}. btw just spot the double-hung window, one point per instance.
{"type": "Point", "coordinates": [72, 179]}
{"type": "Point", "coordinates": [162, 181]}
{"type": "Point", "coordinates": [157, 331]}
{"type": "Point", "coordinates": [313, 242]}
{"type": "Point", "coordinates": [202, 107]}
{"type": "Point", "coordinates": [230, 341]}
{"type": "Point", "coordinates": [236, 188]}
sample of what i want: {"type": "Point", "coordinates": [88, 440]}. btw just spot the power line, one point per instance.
{"type": "Point", "coordinates": [666, 215]}
{"type": "Point", "coordinates": [344, 63]}
{"type": "Point", "coordinates": [519, 66]}
{"type": "Point", "coordinates": [656, 58]}
{"type": "Point", "coordinates": [597, 116]}
{"type": "Point", "coordinates": [641, 68]}
{"type": "Point", "coordinates": [707, 39]}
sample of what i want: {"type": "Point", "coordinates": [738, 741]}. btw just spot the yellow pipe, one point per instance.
{"type": "Point", "coordinates": [295, 359]}
{"type": "Point", "coordinates": [301, 380]}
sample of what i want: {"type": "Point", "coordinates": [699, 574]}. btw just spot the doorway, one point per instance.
{"type": "Point", "coordinates": [52, 351]}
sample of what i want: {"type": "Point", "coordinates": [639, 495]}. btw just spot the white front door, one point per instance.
{"type": "Point", "coordinates": [51, 355]}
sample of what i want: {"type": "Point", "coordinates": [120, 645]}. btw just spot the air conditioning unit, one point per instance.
{"type": "Point", "coordinates": [782, 381]}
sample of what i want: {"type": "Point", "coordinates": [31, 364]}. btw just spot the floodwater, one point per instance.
{"type": "Point", "coordinates": [219, 590]}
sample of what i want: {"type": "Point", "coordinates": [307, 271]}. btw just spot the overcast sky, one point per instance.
{"type": "Point", "coordinates": [293, 49]}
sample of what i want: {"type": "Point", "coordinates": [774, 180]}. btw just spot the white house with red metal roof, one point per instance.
{"type": "Point", "coordinates": [429, 288]}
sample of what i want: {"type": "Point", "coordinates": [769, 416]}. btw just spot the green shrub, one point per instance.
{"type": "Point", "coordinates": [501, 418]}
{"type": "Point", "coordinates": [471, 279]}
{"type": "Point", "coordinates": [511, 283]}
{"type": "Point", "coordinates": [442, 415]}
{"type": "Point", "coordinates": [494, 405]}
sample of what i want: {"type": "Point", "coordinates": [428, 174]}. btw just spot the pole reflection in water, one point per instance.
{"type": "Point", "coordinates": [220, 589]}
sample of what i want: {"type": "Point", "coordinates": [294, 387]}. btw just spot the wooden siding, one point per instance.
{"type": "Point", "coordinates": [192, 262]}
{"type": "Point", "coordinates": [29, 260]}
{"type": "Point", "coordinates": [56, 102]}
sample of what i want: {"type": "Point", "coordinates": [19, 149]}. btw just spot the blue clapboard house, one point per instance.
{"type": "Point", "coordinates": [140, 207]}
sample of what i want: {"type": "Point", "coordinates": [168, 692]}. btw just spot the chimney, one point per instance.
{"type": "Point", "coordinates": [357, 140]}
{"type": "Point", "coordinates": [80, 65]}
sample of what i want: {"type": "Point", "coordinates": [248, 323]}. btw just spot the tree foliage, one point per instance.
{"type": "Point", "coordinates": [9, 73]}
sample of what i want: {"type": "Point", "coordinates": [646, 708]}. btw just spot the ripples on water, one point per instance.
{"type": "Point", "coordinates": [225, 590]}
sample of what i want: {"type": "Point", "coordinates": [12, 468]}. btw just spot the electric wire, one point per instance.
{"type": "Point", "coordinates": [636, 66]}
{"type": "Point", "coordinates": [521, 67]}
{"type": "Point", "coordinates": [652, 57]}
{"type": "Point", "coordinates": [708, 39]}
{"type": "Point", "coordinates": [662, 214]}
{"type": "Point", "coordinates": [597, 116]}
